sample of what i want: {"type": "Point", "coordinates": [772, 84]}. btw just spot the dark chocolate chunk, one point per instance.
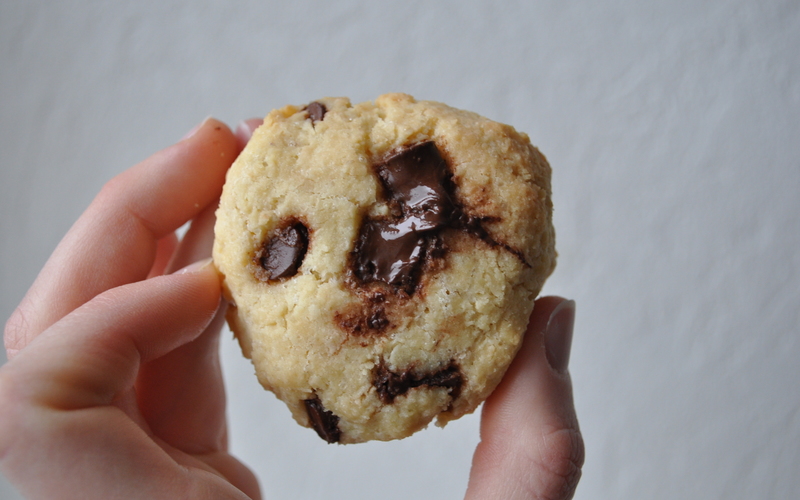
{"type": "Point", "coordinates": [283, 253]}
{"type": "Point", "coordinates": [393, 249]}
{"type": "Point", "coordinates": [316, 111]}
{"type": "Point", "coordinates": [419, 187]}
{"type": "Point", "coordinates": [389, 252]}
{"type": "Point", "coordinates": [390, 384]}
{"type": "Point", "coordinates": [323, 421]}
{"type": "Point", "coordinates": [416, 177]}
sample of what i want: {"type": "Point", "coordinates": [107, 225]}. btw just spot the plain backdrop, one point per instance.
{"type": "Point", "coordinates": [673, 130]}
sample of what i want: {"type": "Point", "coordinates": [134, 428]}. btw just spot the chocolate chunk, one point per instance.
{"type": "Point", "coordinates": [416, 178]}
{"type": "Point", "coordinates": [449, 377]}
{"type": "Point", "coordinates": [389, 252]}
{"type": "Point", "coordinates": [393, 249]}
{"type": "Point", "coordinates": [316, 111]}
{"type": "Point", "coordinates": [418, 185]}
{"type": "Point", "coordinates": [390, 384]}
{"type": "Point", "coordinates": [323, 421]}
{"type": "Point", "coordinates": [283, 253]}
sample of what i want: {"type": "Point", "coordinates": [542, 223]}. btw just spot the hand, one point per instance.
{"type": "Point", "coordinates": [113, 388]}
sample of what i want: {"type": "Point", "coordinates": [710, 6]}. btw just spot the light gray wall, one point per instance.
{"type": "Point", "coordinates": [673, 129]}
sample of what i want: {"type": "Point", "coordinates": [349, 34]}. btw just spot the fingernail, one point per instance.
{"type": "Point", "coordinates": [195, 267]}
{"type": "Point", "coordinates": [243, 134]}
{"type": "Point", "coordinates": [245, 129]}
{"type": "Point", "coordinates": [558, 335]}
{"type": "Point", "coordinates": [196, 128]}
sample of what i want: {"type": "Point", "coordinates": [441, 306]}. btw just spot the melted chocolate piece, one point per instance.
{"type": "Point", "coordinates": [416, 179]}
{"type": "Point", "coordinates": [324, 422]}
{"type": "Point", "coordinates": [316, 111]}
{"type": "Point", "coordinates": [396, 249]}
{"type": "Point", "coordinates": [389, 252]}
{"type": "Point", "coordinates": [390, 384]}
{"type": "Point", "coordinates": [393, 249]}
{"type": "Point", "coordinates": [282, 255]}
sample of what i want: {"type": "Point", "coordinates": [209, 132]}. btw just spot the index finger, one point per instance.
{"type": "Point", "coordinates": [114, 241]}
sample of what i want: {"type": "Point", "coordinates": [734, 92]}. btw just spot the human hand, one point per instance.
{"type": "Point", "coordinates": [114, 388]}
{"type": "Point", "coordinates": [102, 400]}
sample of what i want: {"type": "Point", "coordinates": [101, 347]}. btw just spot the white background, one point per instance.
{"type": "Point", "coordinates": [673, 130]}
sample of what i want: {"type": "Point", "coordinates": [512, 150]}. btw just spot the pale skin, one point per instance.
{"type": "Point", "coordinates": [113, 387]}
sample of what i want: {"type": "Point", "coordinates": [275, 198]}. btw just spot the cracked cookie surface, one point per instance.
{"type": "Point", "coordinates": [382, 260]}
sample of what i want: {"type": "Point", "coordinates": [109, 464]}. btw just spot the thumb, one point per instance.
{"type": "Point", "coordinates": [531, 446]}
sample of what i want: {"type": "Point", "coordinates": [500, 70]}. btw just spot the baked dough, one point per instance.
{"type": "Point", "coordinates": [382, 260]}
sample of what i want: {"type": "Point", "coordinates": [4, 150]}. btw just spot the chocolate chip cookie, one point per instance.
{"type": "Point", "coordinates": [382, 260]}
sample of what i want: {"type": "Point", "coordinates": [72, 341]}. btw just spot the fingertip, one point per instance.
{"type": "Point", "coordinates": [212, 134]}
{"type": "Point", "coordinates": [542, 310]}
{"type": "Point", "coordinates": [205, 271]}
{"type": "Point", "coordinates": [197, 267]}
{"type": "Point", "coordinates": [558, 335]}
{"type": "Point", "coordinates": [532, 353]}
{"type": "Point", "coordinates": [244, 131]}
{"type": "Point", "coordinates": [252, 124]}
{"type": "Point", "coordinates": [197, 127]}
{"type": "Point", "coordinates": [198, 290]}
{"type": "Point", "coordinates": [208, 123]}
{"type": "Point", "coordinates": [530, 384]}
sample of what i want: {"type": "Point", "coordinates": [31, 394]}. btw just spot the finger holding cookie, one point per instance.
{"type": "Point", "coordinates": [531, 445]}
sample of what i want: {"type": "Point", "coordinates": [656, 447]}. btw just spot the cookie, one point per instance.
{"type": "Point", "coordinates": [382, 260]}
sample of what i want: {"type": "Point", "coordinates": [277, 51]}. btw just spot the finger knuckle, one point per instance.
{"type": "Point", "coordinates": [558, 463]}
